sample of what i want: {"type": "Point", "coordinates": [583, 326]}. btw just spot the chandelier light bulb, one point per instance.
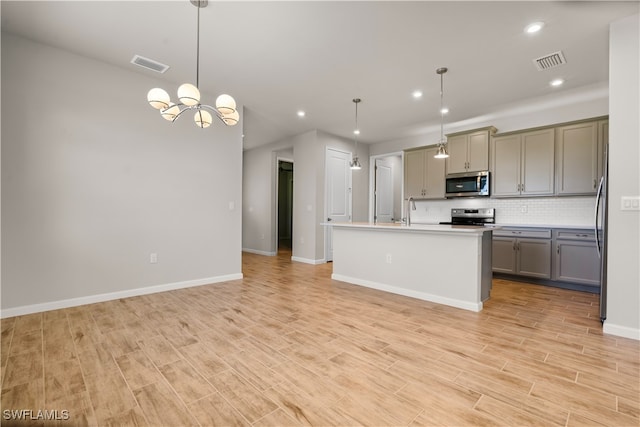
{"type": "Point", "coordinates": [231, 119]}
{"type": "Point", "coordinates": [158, 98]}
{"type": "Point", "coordinates": [203, 119]}
{"type": "Point", "coordinates": [189, 94]}
{"type": "Point", "coordinates": [170, 112]}
{"type": "Point", "coordinates": [225, 104]}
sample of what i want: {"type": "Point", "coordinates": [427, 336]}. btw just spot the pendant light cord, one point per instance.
{"type": "Point", "coordinates": [441, 111]}
{"type": "Point", "coordinates": [198, 50]}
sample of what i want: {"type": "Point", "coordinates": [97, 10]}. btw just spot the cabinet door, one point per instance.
{"type": "Point", "coordinates": [505, 163]}
{"type": "Point", "coordinates": [577, 262]}
{"type": "Point", "coordinates": [577, 158]}
{"type": "Point", "coordinates": [478, 152]}
{"type": "Point", "coordinates": [457, 160]}
{"type": "Point", "coordinates": [435, 175]}
{"type": "Point", "coordinates": [414, 172]}
{"type": "Point", "coordinates": [503, 257]}
{"type": "Point", "coordinates": [537, 174]}
{"type": "Point", "coordinates": [534, 257]}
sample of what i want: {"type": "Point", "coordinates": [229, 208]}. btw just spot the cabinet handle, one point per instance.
{"type": "Point", "coordinates": [594, 184]}
{"type": "Point", "coordinates": [522, 189]}
{"type": "Point", "coordinates": [516, 232]}
{"type": "Point", "coordinates": [558, 249]}
{"type": "Point", "coordinates": [514, 246]}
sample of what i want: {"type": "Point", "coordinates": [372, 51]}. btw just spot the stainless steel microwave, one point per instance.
{"type": "Point", "coordinates": [467, 184]}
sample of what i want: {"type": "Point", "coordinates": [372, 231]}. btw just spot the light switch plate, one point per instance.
{"type": "Point", "coordinates": [630, 203]}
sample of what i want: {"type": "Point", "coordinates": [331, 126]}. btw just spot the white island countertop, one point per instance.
{"type": "Point", "coordinates": [425, 228]}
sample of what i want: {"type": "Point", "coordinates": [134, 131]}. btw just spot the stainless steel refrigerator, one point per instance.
{"type": "Point", "coordinates": [600, 224]}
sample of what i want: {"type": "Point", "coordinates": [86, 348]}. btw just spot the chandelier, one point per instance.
{"type": "Point", "coordinates": [189, 96]}
{"type": "Point", "coordinates": [442, 144]}
{"type": "Point", "coordinates": [355, 163]}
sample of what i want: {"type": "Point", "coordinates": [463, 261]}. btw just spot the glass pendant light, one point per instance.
{"type": "Point", "coordinates": [442, 148]}
{"type": "Point", "coordinates": [355, 163]}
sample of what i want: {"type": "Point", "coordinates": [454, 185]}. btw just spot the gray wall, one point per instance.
{"type": "Point", "coordinates": [307, 151]}
{"type": "Point", "coordinates": [94, 181]}
{"type": "Point", "coordinates": [623, 299]}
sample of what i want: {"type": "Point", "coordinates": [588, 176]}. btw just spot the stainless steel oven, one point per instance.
{"type": "Point", "coordinates": [467, 184]}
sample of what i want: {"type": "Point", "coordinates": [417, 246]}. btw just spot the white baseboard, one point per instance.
{"type": "Point", "coordinates": [466, 305]}
{"type": "Point", "coordinates": [91, 299]}
{"type": "Point", "coordinates": [307, 260]}
{"type": "Point", "coordinates": [621, 331]}
{"type": "Point", "coordinates": [257, 252]}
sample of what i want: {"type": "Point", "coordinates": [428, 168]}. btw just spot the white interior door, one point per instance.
{"type": "Point", "coordinates": [384, 191]}
{"type": "Point", "coordinates": [338, 188]}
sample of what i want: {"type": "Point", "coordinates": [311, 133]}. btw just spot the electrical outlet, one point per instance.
{"type": "Point", "coordinates": [153, 258]}
{"type": "Point", "coordinates": [388, 258]}
{"type": "Point", "coordinates": [524, 209]}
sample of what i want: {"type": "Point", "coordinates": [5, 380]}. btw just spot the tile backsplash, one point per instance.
{"type": "Point", "coordinates": [577, 211]}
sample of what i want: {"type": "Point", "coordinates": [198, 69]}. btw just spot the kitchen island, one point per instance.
{"type": "Point", "coordinates": [445, 264]}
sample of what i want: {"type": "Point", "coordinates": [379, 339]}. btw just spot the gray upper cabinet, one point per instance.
{"type": "Point", "coordinates": [469, 151]}
{"type": "Point", "coordinates": [579, 158]}
{"type": "Point", "coordinates": [522, 164]}
{"type": "Point", "coordinates": [423, 174]}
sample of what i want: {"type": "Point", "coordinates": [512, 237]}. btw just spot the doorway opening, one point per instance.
{"type": "Point", "coordinates": [385, 184]}
{"type": "Point", "coordinates": [285, 205]}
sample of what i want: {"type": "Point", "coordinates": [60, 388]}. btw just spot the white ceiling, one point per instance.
{"type": "Point", "coordinates": [278, 57]}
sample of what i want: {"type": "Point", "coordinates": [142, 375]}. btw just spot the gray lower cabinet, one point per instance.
{"type": "Point", "coordinates": [525, 252]}
{"type": "Point", "coordinates": [576, 257]}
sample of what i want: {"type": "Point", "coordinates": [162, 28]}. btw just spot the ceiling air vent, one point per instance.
{"type": "Point", "coordinates": [149, 64]}
{"type": "Point", "coordinates": [550, 61]}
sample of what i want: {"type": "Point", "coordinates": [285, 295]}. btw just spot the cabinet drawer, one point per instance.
{"type": "Point", "coordinates": [584, 235]}
{"type": "Point", "coordinates": [534, 233]}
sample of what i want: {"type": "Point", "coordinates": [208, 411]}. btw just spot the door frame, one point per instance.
{"type": "Point", "coordinates": [372, 180]}
{"type": "Point", "coordinates": [328, 258]}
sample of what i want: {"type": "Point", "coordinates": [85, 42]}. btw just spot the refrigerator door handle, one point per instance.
{"type": "Point", "coordinates": [595, 225]}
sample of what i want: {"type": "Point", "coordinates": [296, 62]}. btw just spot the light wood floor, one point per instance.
{"type": "Point", "coordinates": [288, 346]}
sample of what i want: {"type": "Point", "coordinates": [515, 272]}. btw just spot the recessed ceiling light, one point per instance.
{"type": "Point", "coordinates": [356, 132]}
{"type": "Point", "coordinates": [556, 82]}
{"type": "Point", "coordinates": [534, 27]}
{"type": "Point", "coordinates": [417, 94]}
{"type": "Point", "coordinates": [301, 113]}
{"type": "Point", "coordinates": [445, 110]}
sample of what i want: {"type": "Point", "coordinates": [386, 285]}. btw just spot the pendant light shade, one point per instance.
{"type": "Point", "coordinates": [231, 119]}
{"type": "Point", "coordinates": [158, 98]}
{"type": "Point", "coordinates": [171, 112]}
{"type": "Point", "coordinates": [442, 144]}
{"type": "Point", "coordinates": [225, 104]}
{"type": "Point", "coordinates": [355, 164]}
{"type": "Point", "coordinates": [189, 96]}
{"type": "Point", "coordinates": [442, 153]}
{"type": "Point", "coordinates": [203, 119]}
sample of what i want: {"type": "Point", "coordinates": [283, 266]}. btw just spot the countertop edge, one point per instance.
{"type": "Point", "coordinates": [424, 228]}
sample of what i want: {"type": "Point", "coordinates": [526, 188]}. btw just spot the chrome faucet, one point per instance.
{"type": "Point", "coordinates": [411, 206]}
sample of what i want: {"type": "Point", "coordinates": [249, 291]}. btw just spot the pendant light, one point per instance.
{"type": "Point", "coordinates": [189, 96]}
{"type": "Point", "coordinates": [355, 163]}
{"type": "Point", "coordinates": [442, 144]}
